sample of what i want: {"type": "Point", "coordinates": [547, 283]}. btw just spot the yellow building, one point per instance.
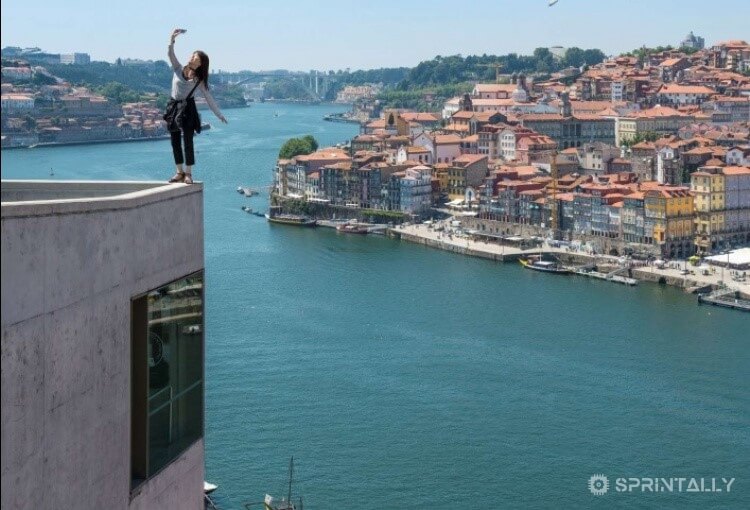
{"type": "Point", "coordinates": [709, 188]}
{"type": "Point", "coordinates": [440, 171]}
{"type": "Point", "coordinates": [670, 218]}
{"type": "Point", "coordinates": [660, 120]}
{"type": "Point", "coordinates": [466, 171]}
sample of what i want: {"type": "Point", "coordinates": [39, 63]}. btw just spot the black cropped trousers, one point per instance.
{"type": "Point", "coordinates": [178, 137]}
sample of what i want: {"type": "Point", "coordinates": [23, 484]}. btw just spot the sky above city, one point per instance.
{"type": "Point", "coordinates": [338, 34]}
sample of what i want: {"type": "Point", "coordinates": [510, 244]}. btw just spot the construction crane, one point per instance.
{"type": "Point", "coordinates": [497, 66]}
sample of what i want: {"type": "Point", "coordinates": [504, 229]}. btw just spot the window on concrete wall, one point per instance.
{"type": "Point", "coordinates": [167, 374]}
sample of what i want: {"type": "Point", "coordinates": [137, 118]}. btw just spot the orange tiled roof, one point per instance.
{"type": "Point", "coordinates": [417, 149]}
{"type": "Point", "coordinates": [657, 112]}
{"type": "Point", "coordinates": [324, 155]}
{"type": "Point", "coordinates": [736, 170]}
{"type": "Point", "coordinates": [494, 87]}
{"type": "Point", "coordinates": [670, 62]}
{"type": "Point", "coordinates": [468, 159]}
{"type": "Point", "coordinates": [493, 102]}
{"type": "Point", "coordinates": [447, 139]}
{"type": "Point", "coordinates": [671, 88]}
{"type": "Point", "coordinates": [419, 117]}
{"type": "Point", "coordinates": [541, 116]}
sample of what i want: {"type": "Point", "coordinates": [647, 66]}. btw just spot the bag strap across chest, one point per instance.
{"type": "Point", "coordinates": [193, 90]}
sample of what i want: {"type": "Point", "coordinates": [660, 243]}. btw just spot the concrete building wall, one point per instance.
{"type": "Point", "coordinates": [69, 270]}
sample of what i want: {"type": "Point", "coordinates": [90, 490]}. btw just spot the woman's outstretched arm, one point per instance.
{"type": "Point", "coordinates": [211, 103]}
{"type": "Point", "coordinates": [172, 58]}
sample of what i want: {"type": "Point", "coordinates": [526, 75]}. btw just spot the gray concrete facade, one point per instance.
{"type": "Point", "coordinates": [73, 256]}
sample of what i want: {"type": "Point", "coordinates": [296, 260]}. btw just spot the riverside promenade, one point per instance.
{"type": "Point", "coordinates": [457, 243]}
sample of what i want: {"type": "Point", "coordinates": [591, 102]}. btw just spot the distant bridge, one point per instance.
{"type": "Point", "coordinates": [315, 82]}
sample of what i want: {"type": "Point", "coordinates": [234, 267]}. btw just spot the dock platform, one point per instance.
{"type": "Point", "coordinates": [607, 277]}
{"type": "Point", "coordinates": [726, 298]}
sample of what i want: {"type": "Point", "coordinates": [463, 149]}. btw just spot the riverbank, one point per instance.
{"type": "Point", "coordinates": [205, 127]}
{"type": "Point", "coordinates": [333, 117]}
{"type": "Point", "coordinates": [89, 142]}
{"type": "Point", "coordinates": [425, 235]}
{"type": "Point", "coordinates": [327, 211]}
{"type": "Point", "coordinates": [293, 101]}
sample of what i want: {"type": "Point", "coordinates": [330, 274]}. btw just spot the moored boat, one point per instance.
{"type": "Point", "coordinates": [544, 266]}
{"type": "Point", "coordinates": [352, 228]}
{"type": "Point", "coordinates": [287, 503]}
{"type": "Point", "coordinates": [291, 219]}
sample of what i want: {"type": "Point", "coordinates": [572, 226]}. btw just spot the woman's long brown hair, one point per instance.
{"type": "Point", "coordinates": [202, 71]}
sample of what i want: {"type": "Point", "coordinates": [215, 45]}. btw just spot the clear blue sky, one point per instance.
{"type": "Point", "coordinates": [336, 34]}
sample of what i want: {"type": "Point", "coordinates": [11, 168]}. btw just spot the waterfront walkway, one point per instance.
{"type": "Point", "coordinates": [452, 241]}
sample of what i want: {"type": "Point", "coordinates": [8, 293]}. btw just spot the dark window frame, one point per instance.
{"type": "Point", "coordinates": [139, 386]}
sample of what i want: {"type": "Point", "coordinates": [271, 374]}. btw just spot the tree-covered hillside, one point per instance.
{"type": "Point", "coordinates": [457, 69]}
{"type": "Point", "coordinates": [154, 77]}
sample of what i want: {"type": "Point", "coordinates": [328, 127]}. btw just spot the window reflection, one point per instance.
{"type": "Point", "coordinates": [175, 368]}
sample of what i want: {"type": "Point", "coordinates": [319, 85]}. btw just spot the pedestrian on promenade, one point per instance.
{"type": "Point", "coordinates": [181, 114]}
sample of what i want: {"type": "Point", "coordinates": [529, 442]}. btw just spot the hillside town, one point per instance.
{"type": "Point", "coordinates": [646, 153]}
{"type": "Point", "coordinates": [42, 109]}
{"type": "Point", "coordinates": [63, 114]}
{"type": "Point", "coordinates": [39, 108]}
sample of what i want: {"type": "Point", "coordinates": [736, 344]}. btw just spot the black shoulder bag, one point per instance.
{"type": "Point", "coordinates": [183, 114]}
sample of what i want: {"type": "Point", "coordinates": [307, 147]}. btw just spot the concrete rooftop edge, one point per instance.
{"type": "Point", "coordinates": [116, 195]}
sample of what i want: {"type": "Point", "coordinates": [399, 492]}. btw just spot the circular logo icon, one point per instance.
{"type": "Point", "coordinates": [157, 349]}
{"type": "Point", "coordinates": [598, 485]}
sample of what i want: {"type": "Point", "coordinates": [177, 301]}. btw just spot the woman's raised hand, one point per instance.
{"type": "Point", "coordinates": [175, 33]}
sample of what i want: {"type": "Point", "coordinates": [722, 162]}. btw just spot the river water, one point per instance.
{"type": "Point", "coordinates": [399, 376]}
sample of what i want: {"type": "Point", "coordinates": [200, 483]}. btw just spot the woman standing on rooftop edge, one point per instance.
{"type": "Point", "coordinates": [184, 121]}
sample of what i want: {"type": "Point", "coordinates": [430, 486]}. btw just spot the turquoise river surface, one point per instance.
{"type": "Point", "coordinates": [403, 377]}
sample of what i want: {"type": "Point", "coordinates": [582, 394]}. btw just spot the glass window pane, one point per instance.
{"type": "Point", "coordinates": [174, 426]}
{"type": "Point", "coordinates": [175, 360]}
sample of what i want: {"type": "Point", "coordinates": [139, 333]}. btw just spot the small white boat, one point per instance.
{"type": "Point", "coordinates": [208, 488]}
{"type": "Point", "coordinates": [288, 503]}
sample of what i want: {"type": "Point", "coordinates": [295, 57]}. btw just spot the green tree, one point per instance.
{"type": "Point", "coordinates": [545, 62]}
{"type": "Point", "coordinates": [297, 146]}
{"type": "Point", "coordinates": [118, 93]}
{"type": "Point", "coordinates": [286, 88]}
{"type": "Point", "coordinates": [43, 79]}
{"type": "Point", "coordinates": [646, 136]}
{"type": "Point", "coordinates": [311, 141]}
{"type": "Point", "coordinates": [593, 56]}
{"type": "Point", "coordinates": [574, 57]}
